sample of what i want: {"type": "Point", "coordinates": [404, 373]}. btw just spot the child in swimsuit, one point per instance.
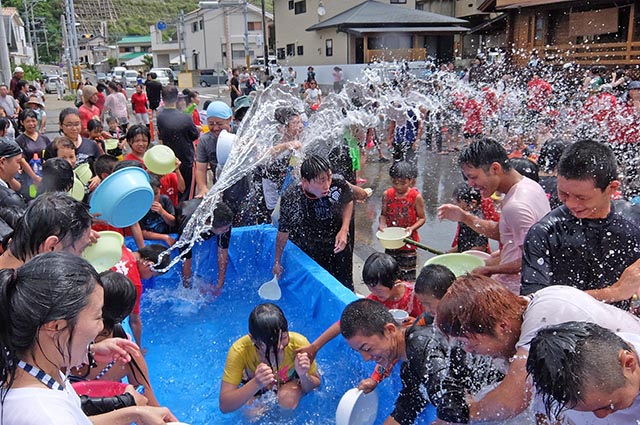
{"type": "Point", "coordinates": [265, 360]}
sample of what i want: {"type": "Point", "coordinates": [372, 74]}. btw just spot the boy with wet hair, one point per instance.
{"type": "Point", "coordinates": [403, 206]}
{"type": "Point", "coordinates": [486, 318]}
{"type": "Point", "coordinates": [486, 167]}
{"type": "Point", "coordinates": [315, 214]}
{"type": "Point", "coordinates": [591, 242]}
{"type": "Point", "coordinates": [581, 369]}
{"type": "Point", "coordinates": [430, 371]}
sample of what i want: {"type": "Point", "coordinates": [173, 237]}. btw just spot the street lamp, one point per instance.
{"type": "Point", "coordinates": [226, 4]}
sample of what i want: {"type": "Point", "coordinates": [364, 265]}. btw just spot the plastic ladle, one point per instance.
{"type": "Point", "coordinates": [270, 290]}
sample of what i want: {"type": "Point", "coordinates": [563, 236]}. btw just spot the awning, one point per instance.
{"type": "Point", "coordinates": [431, 30]}
{"type": "Point", "coordinates": [176, 60]}
{"type": "Point", "coordinates": [490, 25]}
{"type": "Point", "coordinates": [510, 4]}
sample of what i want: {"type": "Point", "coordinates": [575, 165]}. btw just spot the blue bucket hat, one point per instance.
{"type": "Point", "coordinates": [219, 109]}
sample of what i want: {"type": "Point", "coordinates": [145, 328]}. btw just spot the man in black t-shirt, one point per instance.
{"type": "Point", "coordinates": [178, 131]}
{"type": "Point", "coordinates": [590, 242]}
{"type": "Point", "coordinates": [315, 214]}
{"type": "Point", "coordinates": [154, 91]}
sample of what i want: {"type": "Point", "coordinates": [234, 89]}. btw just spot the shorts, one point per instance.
{"type": "Point", "coordinates": [142, 118]}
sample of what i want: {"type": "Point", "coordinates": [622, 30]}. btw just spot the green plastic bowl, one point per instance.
{"type": "Point", "coordinates": [106, 252]}
{"type": "Point", "coordinates": [160, 160]}
{"type": "Point", "coordinates": [110, 144]}
{"type": "Point", "coordinates": [77, 190]}
{"type": "Point", "coordinates": [83, 173]}
{"type": "Point", "coordinates": [459, 264]}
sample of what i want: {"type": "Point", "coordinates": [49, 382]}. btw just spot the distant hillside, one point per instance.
{"type": "Point", "coordinates": [137, 15]}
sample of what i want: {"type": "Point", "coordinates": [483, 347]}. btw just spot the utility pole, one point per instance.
{"type": "Point", "coordinates": [265, 41]}
{"type": "Point", "coordinates": [5, 64]}
{"type": "Point", "coordinates": [27, 20]}
{"type": "Point", "coordinates": [246, 36]}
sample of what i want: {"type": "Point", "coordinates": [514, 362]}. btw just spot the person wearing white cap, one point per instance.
{"type": "Point", "coordinates": [18, 74]}
{"type": "Point", "coordinates": [219, 116]}
{"type": "Point", "coordinates": [10, 157]}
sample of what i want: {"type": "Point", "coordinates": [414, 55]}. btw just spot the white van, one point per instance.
{"type": "Point", "coordinates": [118, 73]}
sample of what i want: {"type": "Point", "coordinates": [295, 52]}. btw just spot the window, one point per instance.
{"type": "Point", "coordinates": [290, 4]}
{"type": "Point", "coordinates": [300, 50]}
{"type": "Point", "coordinates": [194, 27]}
{"type": "Point", "coordinates": [291, 49]}
{"type": "Point", "coordinates": [254, 26]}
{"type": "Point", "coordinates": [301, 7]}
{"type": "Point", "coordinates": [201, 24]}
{"type": "Point", "coordinates": [281, 54]}
{"type": "Point", "coordinates": [398, 1]}
{"type": "Point", "coordinates": [328, 47]}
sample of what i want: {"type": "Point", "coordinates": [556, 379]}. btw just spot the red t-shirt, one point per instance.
{"type": "Point", "coordinates": [87, 114]}
{"type": "Point", "coordinates": [539, 93]}
{"type": "Point", "coordinates": [409, 302]}
{"type": "Point", "coordinates": [401, 212]}
{"type": "Point", "coordinates": [128, 266]}
{"type": "Point", "coordinates": [100, 102]}
{"type": "Point", "coordinates": [472, 112]}
{"type": "Point", "coordinates": [139, 102]}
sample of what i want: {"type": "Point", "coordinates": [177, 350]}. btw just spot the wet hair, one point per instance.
{"type": "Point", "coordinates": [154, 181]}
{"type": "Point", "coordinates": [550, 153]}
{"type": "Point", "coordinates": [569, 359]}
{"type": "Point", "coordinates": [403, 170]}
{"type": "Point", "coordinates": [28, 113]}
{"type": "Point", "coordinates": [588, 159]}
{"type": "Point", "coordinates": [104, 164]}
{"type": "Point", "coordinates": [525, 167]}
{"type": "Point", "coordinates": [119, 300]}
{"type": "Point", "coordinates": [222, 215]}
{"type": "Point", "coordinates": [475, 305]}
{"type": "Point", "coordinates": [58, 143]}
{"type": "Point", "coordinates": [484, 152]}
{"type": "Point", "coordinates": [152, 253]}
{"type": "Point", "coordinates": [465, 193]}
{"type": "Point", "coordinates": [22, 83]}
{"type": "Point", "coordinates": [314, 166]}
{"type": "Point", "coordinates": [380, 269]}
{"type": "Point", "coordinates": [170, 94]}
{"type": "Point", "coordinates": [206, 104]}
{"type": "Point", "coordinates": [435, 280]}
{"type": "Point", "coordinates": [51, 286]}
{"type": "Point", "coordinates": [284, 114]}
{"type": "Point", "coordinates": [136, 130]}
{"type": "Point", "coordinates": [4, 123]}
{"type": "Point", "coordinates": [66, 112]}
{"type": "Point", "coordinates": [94, 124]}
{"type": "Point", "coordinates": [10, 214]}
{"type": "Point", "coordinates": [365, 317]}
{"type": "Point", "coordinates": [57, 176]}
{"type": "Point", "coordinates": [101, 87]}
{"type": "Point", "coordinates": [266, 325]}
{"type": "Point", "coordinates": [50, 214]}
{"type": "Point", "coordinates": [113, 86]}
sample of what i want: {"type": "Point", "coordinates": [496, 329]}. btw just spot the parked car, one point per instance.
{"type": "Point", "coordinates": [118, 72]}
{"type": "Point", "coordinates": [211, 77]}
{"type": "Point", "coordinates": [51, 85]}
{"type": "Point", "coordinates": [132, 77]}
{"type": "Point", "coordinates": [163, 75]}
{"type": "Point", "coordinates": [101, 77]}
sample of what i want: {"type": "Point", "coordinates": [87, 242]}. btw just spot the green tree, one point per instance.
{"type": "Point", "coordinates": [147, 60]}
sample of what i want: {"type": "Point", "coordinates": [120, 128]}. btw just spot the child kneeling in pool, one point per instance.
{"type": "Point", "coordinates": [264, 360]}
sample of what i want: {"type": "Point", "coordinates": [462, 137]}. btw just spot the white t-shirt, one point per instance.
{"type": "Point", "coordinates": [523, 206]}
{"type": "Point", "coordinates": [38, 406]}
{"type": "Point", "coordinates": [312, 95]}
{"type": "Point", "coordinates": [559, 304]}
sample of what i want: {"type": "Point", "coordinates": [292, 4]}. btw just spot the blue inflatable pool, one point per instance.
{"type": "Point", "coordinates": [187, 337]}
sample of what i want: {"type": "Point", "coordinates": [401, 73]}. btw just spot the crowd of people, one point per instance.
{"type": "Point", "coordinates": [545, 328]}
